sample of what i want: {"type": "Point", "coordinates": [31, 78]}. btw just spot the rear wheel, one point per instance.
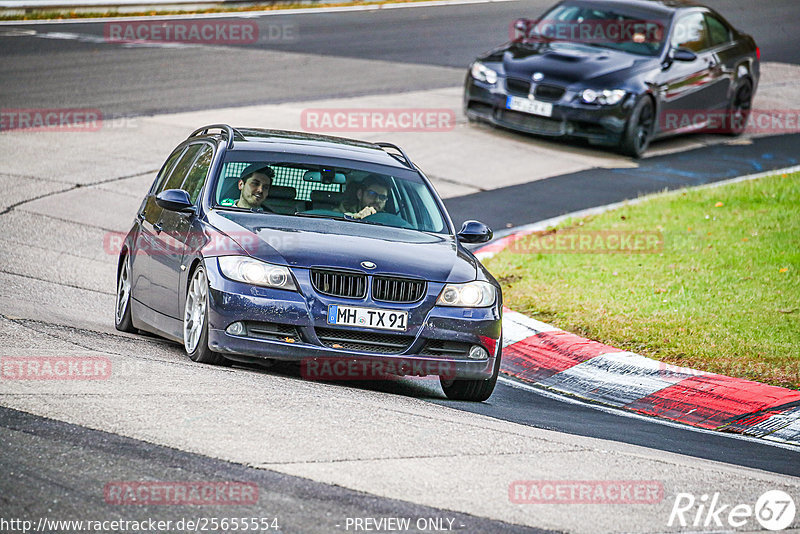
{"type": "Point", "coordinates": [122, 308]}
{"type": "Point", "coordinates": [740, 106]}
{"type": "Point", "coordinates": [639, 129]}
{"type": "Point", "coordinates": [472, 390]}
{"type": "Point", "coordinates": [195, 321]}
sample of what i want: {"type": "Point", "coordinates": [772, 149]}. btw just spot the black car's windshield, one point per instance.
{"type": "Point", "coordinates": [603, 27]}
{"type": "Point", "coordinates": [306, 190]}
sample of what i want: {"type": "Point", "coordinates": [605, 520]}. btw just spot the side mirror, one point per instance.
{"type": "Point", "coordinates": [175, 200]}
{"type": "Point", "coordinates": [521, 29]}
{"type": "Point", "coordinates": [683, 54]}
{"type": "Point", "coordinates": [474, 232]}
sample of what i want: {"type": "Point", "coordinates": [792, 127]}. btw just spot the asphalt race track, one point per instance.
{"type": "Point", "coordinates": [321, 453]}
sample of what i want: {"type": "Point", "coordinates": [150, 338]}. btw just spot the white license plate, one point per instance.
{"type": "Point", "coordinates": [527, 105]}
{"type": "Point", "coordinates": [367, 317]}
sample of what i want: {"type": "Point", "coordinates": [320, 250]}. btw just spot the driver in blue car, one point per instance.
{"type": "Point", "coordinates": [370, 198]}
{"type": "Point", "coordinates": [254, 185]}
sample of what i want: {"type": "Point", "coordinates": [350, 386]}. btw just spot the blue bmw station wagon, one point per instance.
{"type": "Point", "coordinates": [260, 245]}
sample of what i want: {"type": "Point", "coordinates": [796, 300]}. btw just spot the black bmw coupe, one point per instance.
{"type": "Point", "coordinates": [618, 73]}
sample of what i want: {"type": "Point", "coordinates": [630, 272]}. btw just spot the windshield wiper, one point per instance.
{"type": "Point", "coordinates": [323, 216]}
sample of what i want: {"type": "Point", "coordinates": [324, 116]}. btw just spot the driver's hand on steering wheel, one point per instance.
{"type": "Point", "coordinates": [366, 212]}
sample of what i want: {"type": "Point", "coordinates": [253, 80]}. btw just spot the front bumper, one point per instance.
{"type": "Point", "coordinates": [296, 330]}
{"type": "Point", "coordinates": [601, 125]}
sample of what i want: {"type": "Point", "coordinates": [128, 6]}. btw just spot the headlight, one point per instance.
{"type": "Point", "coordinates": [483, 73]}
{"type": "Point", "coordinates": [469, 295]}
{"type": "Point", "coordinates": [259, 273]}
{"type": "Point", "coordinates": [607, 97]}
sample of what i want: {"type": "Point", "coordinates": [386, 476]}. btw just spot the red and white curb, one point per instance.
{"type": "Point", "coordinates": [547, 357]}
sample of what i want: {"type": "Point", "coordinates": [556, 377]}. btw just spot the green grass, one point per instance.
{"type": "Point", "coordinates": [721, 293]}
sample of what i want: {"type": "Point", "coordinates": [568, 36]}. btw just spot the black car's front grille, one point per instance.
{"type": "Point", "coordinates": [448, 349]}
{"type": "Point", "coordinates": [397, 289]}
{"type": "Point", "coordinates": [339, 284]}
{"type": "Point", "coordinates": [364, 341]}
{"type": "Point", "coordinates": [276, 331]}
{"type": "Point", "coordinates": [548, 92]}
{"type": "Point", "coordinates": [531, 123]}
{"type": "Point", "coordinates": [517, 86]}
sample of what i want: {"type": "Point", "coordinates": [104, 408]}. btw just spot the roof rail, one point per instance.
{"type": "Point", "coordinates": [232, 133]}
{"type": "Point", "coordinates": [405, 159]}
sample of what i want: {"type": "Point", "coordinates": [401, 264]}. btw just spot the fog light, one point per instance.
{"type": "Point", "coordinates": [478, 353]}
{"type": "Point", "coordinates": [235, 329]}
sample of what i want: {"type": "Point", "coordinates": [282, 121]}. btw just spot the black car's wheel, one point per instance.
{"type": "Point", "coordinates": [740, 106]}
{"type": "Point", "coordinates": [472, 390]}
{"type": "Point", "coordinates": [639, 129]}
{"type": "Point", "coordinates": [122, 308]}
{"type": "Point", "coordinates": [195, 321]}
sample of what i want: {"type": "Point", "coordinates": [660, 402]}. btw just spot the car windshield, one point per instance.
{"type": "Point", "coordinates": [602, 27]}
{"type": "Point", "coordinates": [307, 190]}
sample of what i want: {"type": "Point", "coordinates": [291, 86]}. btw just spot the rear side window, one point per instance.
{"type": "Point", "coordinates": [194, 181]}
{"type": "Point", "coordinates": [718, 32]}
{"type": "Point", "coordinates": [181, 168]}
{"type": "Point", "coordinates": [165, 170]}
{"type": "Point", "coordinates": [690, 32]}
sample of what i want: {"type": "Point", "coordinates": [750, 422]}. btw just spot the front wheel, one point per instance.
{"type": "Point", "coordinates": [195, 321]}
{"type": "Point", "coordinates": [639, 129]}
{"type": "Point", "coordinates": [122, 308]}
{"type": "Point", "coordinates": [472, 390]}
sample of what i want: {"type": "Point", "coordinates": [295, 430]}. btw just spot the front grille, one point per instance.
{"type": "Point", "coordinates": [531, 123]}
{"type": "Point", "coordinates": [397, 289]}
{"type": "Point", "coordinates": [339, 284]}
{"type": "Point", "coordinates": [364, 341]}
{"type": "Point", "coordinates": [450, 349]}
{"type": "Point", "coordinates": [517, 86]}
{"type": "Point", "coordinates": [548, 92]}
{"type": "Point", "coordinates": [276, 331]}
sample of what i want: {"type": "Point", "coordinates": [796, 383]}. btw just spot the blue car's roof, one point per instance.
{"type": "Point", "coordinates": [310, 144]}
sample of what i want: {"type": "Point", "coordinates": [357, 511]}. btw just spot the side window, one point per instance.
{"type": "Point", "coordinates": [690, 32]}
{"type": "Point", "coordinates": [181, 168]}
{"type": "Point", "coordinates": [717, 31]}
{"type": "Point", "coordinates": [165, 170]}
{"type": "Point", "coordinates": [197, 174]}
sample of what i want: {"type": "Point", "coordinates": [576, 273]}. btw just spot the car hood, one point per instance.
{"type": "Point", "coordinates": [319, 242]}
{"type": "Point", "coordinates": [562, 61]}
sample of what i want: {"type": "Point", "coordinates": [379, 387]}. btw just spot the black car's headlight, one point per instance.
{"type": "Point", "coordinates": [256, 272]}
{"type": "Point", "coordinates": [483, 73]}
{"type": "Point", "coordinates": [470, 295]}
{"type": "Point", "coordinates": [606, 97]}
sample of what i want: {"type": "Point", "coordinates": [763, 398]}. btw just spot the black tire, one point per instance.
{"type": "Point", "coordinates": [739, 108]}
{"type": "Point", "coordinates": [639, 129]}
{"type": "Point", "coordinates": [196, 343]}
{"type": "Point", "coordinates": [122, 303]}
{"type": "Point", "coordinates": [473, 390]}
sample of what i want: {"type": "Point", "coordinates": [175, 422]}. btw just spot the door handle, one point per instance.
{"type": "Point", "coordinates": [158, 227]}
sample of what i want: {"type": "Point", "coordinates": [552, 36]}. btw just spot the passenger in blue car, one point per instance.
{"type": "Point", "coordinates": [370, 197]}
{"type": "Point", "coordinates": [254, 185]}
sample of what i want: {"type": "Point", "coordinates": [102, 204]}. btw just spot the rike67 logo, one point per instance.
{"type": "Point", "coordinates": [774, 510]}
